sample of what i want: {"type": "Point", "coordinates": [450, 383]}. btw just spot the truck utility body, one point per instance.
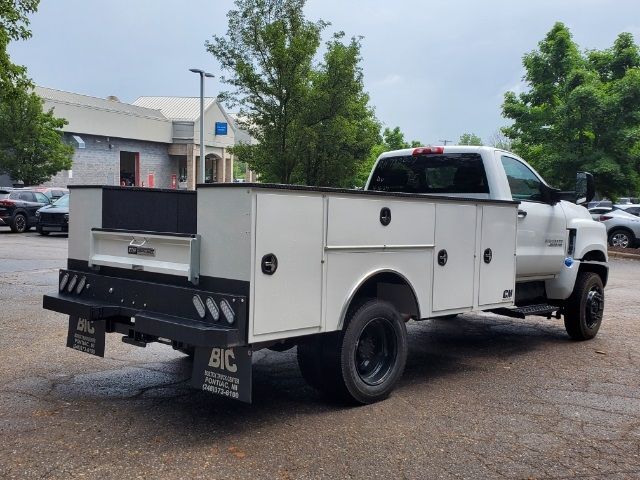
{"type": "Point", "coordinates": [232, 268]}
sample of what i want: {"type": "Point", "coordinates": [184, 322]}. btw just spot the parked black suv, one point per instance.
{"type": "Point", "coordinates": [54, 217]}
{"type": "Point", "coordinates": [18, 208]}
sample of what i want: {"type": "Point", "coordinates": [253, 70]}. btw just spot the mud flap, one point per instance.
{"type": "Point", "coordinates": [86, 335]}
{"type": "Point", "coordinates": [223, 371]}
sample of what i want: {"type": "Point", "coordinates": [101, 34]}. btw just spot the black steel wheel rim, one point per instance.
{"type": "Point", "coordinates": [21, 223]}
{"type": "Point", "coordinates": [594, 307]}
{"type": "Point", "coordinates": [376, 351]}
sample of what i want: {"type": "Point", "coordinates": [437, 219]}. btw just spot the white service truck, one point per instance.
{"type": "Point", "coordinates": [229, 269]}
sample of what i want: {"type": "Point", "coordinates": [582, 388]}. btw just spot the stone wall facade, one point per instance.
{"type": "Point", "coordinates": [98, 163]}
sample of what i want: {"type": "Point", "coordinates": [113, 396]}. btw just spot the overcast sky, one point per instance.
{"type": "Point", "coordinates": [435, 68]}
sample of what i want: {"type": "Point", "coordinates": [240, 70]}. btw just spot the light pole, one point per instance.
{"type": "Point", "coordinates": [202, 74]}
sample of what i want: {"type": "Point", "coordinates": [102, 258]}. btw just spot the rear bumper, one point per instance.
{"type": "Point", "coordinates": [54, 227]}
{"type": "Point", "coordinates": [148, 311]}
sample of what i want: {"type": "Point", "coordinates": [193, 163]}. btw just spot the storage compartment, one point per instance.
{"type": "Point", "coordinates": [355, 222]}
{"type": "Point", "coordinates": [287, 293]}
{"type": "Point", "coordinates": [454, 256]}
{"type": "Point", "coordinates": [497, 255]}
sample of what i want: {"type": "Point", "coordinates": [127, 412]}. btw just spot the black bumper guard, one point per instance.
{"type": "Point", "coordinates": [129, 318]}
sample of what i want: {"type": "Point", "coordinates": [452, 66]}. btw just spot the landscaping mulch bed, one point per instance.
{"type": "Point", "coordinates": [627, 252]}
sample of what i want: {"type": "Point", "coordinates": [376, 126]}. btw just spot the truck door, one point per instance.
{"type": "Point", "coordinates": [540, 248]}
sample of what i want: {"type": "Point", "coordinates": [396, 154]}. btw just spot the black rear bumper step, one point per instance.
{"type": "Point", "coordinates": [544, 310]}
{"type": "Point", "coordinates": [185, 330]}
{"type": "Point", "coordinates": [88, 309]}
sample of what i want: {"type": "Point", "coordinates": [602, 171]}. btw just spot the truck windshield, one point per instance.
{"type": "Point", "coordinates": [448, 173]}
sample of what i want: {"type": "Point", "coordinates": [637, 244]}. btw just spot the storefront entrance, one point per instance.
{"type": "Point", "coordinates": [129, 169]}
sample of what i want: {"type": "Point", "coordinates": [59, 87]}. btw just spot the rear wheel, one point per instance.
{"type": "Point", "coordinates": [19, 224]}
{"type": "Point", "coordinates": [585, 307]}
{"type": "Point", "coordinates": [621, 238]}
{"type": "Point", "coordinates": [365, 361]}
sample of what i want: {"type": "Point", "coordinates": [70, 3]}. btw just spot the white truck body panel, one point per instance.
{"type": "Point", "coordinates": [328, 244]}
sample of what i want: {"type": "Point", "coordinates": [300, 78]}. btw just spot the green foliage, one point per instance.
{"type": "Point", "coordinates": [470, 139]}
{"type": "Point", "coordinates": [313, 123]}
{"type": "Point", "coordinates": [499, 140]}
{"type": "Point", "coordinates": [14, 21]}
{"type": "Point", "coordinates": [31, 145]}
{"type": "Point", "coordinates": [581, 112]}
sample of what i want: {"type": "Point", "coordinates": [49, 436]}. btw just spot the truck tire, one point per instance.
{"type": "Point", "coordinates": [363, 363]}
{"type": "Point", "coordinates": [621, 238]}
{"type": "Point", "coordinates": [584, 308]}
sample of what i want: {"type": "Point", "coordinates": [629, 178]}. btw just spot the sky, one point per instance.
{"type": "Point", "coordinates": [436, 69]}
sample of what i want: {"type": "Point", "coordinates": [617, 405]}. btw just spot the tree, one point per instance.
{"type": "Point", "coordinates": [499, 140]}
{"type": "Point", "coordinates": [268, 53]}
{"type": "Point", "coordinates": [581, 112]}
{"type": "Point", "coordinates": [339, 125]}
{"type": "Point", "coordinates": [31, 145]}
{"type": "Point", "coordinates": [470, 139]}
{"type": "Point", "coordinates": [313, 123]}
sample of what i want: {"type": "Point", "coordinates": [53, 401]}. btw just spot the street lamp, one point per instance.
{"type": "Point", "coordinates": [202, 74]}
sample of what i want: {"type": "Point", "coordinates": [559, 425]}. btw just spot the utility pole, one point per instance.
{"type": "Point", "coordinates": [202, 74]}
{"type": "Point", "coordinates": [444, 142]}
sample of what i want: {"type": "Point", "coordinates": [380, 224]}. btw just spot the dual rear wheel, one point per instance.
{"type": "Point", "coordinates": [363, 362]}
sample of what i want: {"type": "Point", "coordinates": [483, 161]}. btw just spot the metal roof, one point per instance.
{"type": "Point", "coordinates": [59, 96]}
{"type": "Point", "coordinates": [177, 108]}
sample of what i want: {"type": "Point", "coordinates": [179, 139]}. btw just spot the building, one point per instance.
{"type": "Point", "coordinates": [154, 142]}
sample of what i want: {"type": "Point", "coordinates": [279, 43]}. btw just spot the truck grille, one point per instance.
{"type": "Point", "coordinates": [52, 218]}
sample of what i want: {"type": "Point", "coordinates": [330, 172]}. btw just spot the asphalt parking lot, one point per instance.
{"type": "Point", "coordinates": [482, 397]}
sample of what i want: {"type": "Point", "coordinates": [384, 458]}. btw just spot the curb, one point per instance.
{"type": "Point", "coordinates": [632, 256]}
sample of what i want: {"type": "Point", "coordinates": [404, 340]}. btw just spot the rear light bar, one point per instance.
{"type": "Point", "coordinates": [428, 151]}
{"type": "Point", "coordinates": [605, 217]}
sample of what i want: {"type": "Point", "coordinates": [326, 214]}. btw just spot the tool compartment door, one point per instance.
{"type": "Point", "coordinates": [497, 255]}
{"type": "Point", "coordinates": [289, 227]}
{"type": "Point", "coordinates": [454, 257]}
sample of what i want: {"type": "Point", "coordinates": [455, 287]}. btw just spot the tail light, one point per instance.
{"type": "Point", "coordinates": [7, 203]}
{"type": "Point", "coordinates": [428, 151]}
{"type": "Point", "coordinates": [605, 217]}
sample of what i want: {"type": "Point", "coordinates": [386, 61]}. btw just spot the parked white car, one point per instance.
{"type": "Point", "coordinates": [623, 228]}
{"type": "Point", "coordinates": [632, 208]}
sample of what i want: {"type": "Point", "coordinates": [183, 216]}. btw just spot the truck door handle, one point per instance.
{"type": "Point", "coordinates": [522, 213]}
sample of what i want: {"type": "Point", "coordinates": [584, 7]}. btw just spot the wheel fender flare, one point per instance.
{"type": "Point", "coordinates": [361, 283]}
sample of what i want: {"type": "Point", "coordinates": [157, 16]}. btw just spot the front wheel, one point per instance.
{"type": "Point", "coordinates": [365, 361]}
{"type": "Point", "coordinates": [585, 307]}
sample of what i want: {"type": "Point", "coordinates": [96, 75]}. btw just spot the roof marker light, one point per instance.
{"type": "Point", "coordinates": [428, 151]}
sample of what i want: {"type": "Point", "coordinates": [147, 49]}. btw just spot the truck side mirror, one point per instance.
{"type": "Point", "coordinates": [585, 188]}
